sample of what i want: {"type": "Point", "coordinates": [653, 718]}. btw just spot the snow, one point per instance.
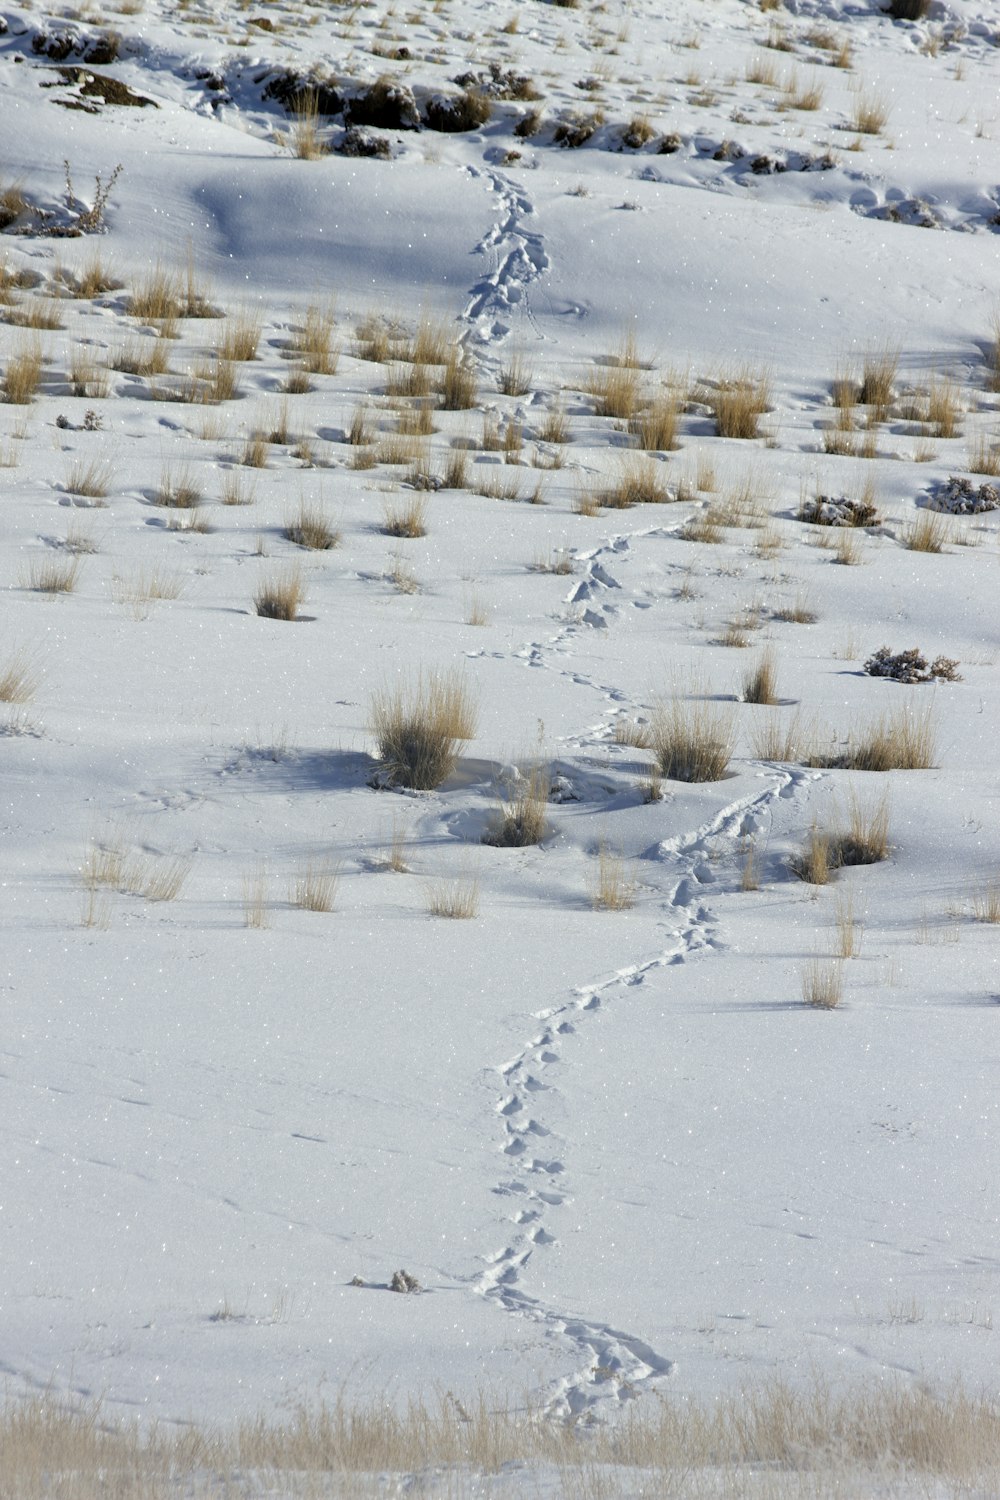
{"type": "Point", "coordinates": [616, 1150]}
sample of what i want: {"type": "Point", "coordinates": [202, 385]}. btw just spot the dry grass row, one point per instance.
{"type": "Point", "coordinates": [864, 1438]}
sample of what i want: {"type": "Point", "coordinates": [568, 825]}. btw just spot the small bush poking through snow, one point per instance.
{"type": "Point", "coordinates": [418, 730]}
{"type": "Point", "coordinates": [402, 1281]}
{"type": "Point", "coordinates": [960, 497]}
{"type": "Point", "coordinates": [825, 510]}
{"type": "Point", "coordinates": [911, 666]}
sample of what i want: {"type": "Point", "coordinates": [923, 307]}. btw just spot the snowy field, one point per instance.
{"type": "Point", "coordinates": [631, 374]}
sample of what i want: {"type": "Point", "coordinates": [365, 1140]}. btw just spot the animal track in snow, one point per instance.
{"type": "Point", "coordinates": [517, 257]}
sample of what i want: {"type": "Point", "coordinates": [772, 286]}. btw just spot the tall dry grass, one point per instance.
{"type": "Point", "coordinates": [418, 728]}
{"type": "Point", "coordinates": [774, 1440]}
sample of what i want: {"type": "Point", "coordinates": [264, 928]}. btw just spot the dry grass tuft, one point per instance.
{"type": "Point", "coordinates": [406, 517]}
{"type": "Point", "coordinates": [616, 391]}
{"type": "Point", "coordinates": [178, 490]}
{"type": "Point", "coordinates": [848, 927]}
{"type": "Point", "coordinates": [311, 529]}
{"type": "Point", "coordinates": [865, 841]}
{"type": "Point", "coordinates": [656, 428]}
{"type": "Point", "coordinates": [431, 344]}
{"type": "Point", "coordinates": [418, 729]}
{"type": "Point", "coordinates": [236, 490]}
{"type": "Point", "coordinates": [139, 590]}
{"type": "Point", "coordinates": [155, 298]}
{"type": "Point", "coordinates": [315, 889]}
{"type": "Point", "coordinates": [312, 342]}
{"type": "Point", "coordinates": [515, 375]}
{"type": "Point", "coordinates": [90, 478]}
{"type": "Point", "coordinates": [692, 741]}
{"type": "Point", "coordinates": [142, 356]}
{"type": "Point", "coordinates": [555, 427]}
{"type": "Point", "coordinates": [986, 904]}
{"type": "Point", "coordinates": [823, 983]}
{"type": "Point", "coordinates": [870, 113]}
{"type": "Point", "coordinates": [901, 741]}
{"type": "Point", "coordinates": [241, 336]}
{"type": "Point", "coordinates": [878, 378]}
{"type": "Point", "coordinates": [51, 575]}
{"type": "Point", "coordinates": [87, 378]}
{"type": "Point", "coordinates": [737, 402]}
{"type": "Point", "coordinates": [458, 387]}
{"type": "Point", "coordinates": [279, 596]}
{"type": "Point", "coordinates": [456, 899]}
{"type": "Point", "coordinates": [613, 886]}
{"type": "Point", "coordinates": [638, 482]}
{"type": "Point", "coordinates": [256, 910]}
{"type": "Point", "coordinates": [928, 532]}
{"type": "Point", "coordinates": [521, 819]}
{"type": "Point", "coordinates": [760, 682]}
{"type": "Point", "coordinates": [19, 678]}
{"type": "Point", "coordinates": [304, 138]}
{"type": "Point", "coordinates": [41, 313]}
{"type": "Point", "coordinates": [799, 612]}
{"type": "Point", "coordinates": [812, 863]}
{"type": "Point", "coordinates": [943, 409]}
{"type": "Point", "coordinates": [255, 451]}
{"type": "Point", "coordinates": [456, 470]}
{"type": "Point", "coordinates": [984, 456]}
{"type": "Point", "coordinates": [23, 373]}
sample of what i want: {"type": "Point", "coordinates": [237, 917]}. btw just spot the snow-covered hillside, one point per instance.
{"type": "Point", "coordinates": [428, 324]}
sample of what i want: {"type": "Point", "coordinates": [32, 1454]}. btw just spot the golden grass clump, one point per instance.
{"type": "Point", "coordinates": [515, 375]}
{"type": "Point", "coordinates": [315, 888]}
{"type": "Point", "coordinates": [178, 490]}
{"type": "Point", "coordinates": [312, 341]}
{"type": "Point", "coordinates": [943, 409]}
{"type": "Point", "coordinates": [406, 517]}
{"type": "Point", "coordinates": [458, 386]}
{"type": "Point", "coordinates": [51, 575]}
{"type": "Point", "coordinates": [279, 596]}
{"type": "Point", "coordinates": [878, 377]}
{"type": "Point", "coordinates": [20, 676]}
{"type": "Point", "coordinates": [87, 378]}
{"type": "Point", "coordinates": [430, 345]}
{"type": "Point", "coordinates": [615, 389]}
{"type": "Point", "coordinates": [140, 589]}
{"type": "Point", "coordinates": [823, 983]}
{"type": "Point", "coordinates": [155, 297]}
{"type": "Point", "coordinates": [142, 356]}
{"type": "Point", "coordinates": [418, 729]}
{"type": "Point", "coordinates": [241, 336]}
{"type": "Point", "coordinates": [613, 885]}
{"type": "Point", "coordinates": [692, 741]}
{"type": "Point", "coordinates": [311, 529]}
{"type": "Point", "coordinates": [904, 740]}
{"type": "Point", "coordinates": [455, 899]}
{"type": "Point", "coordinates": [656, 427]}
{"type": "Point", "coordinates": [555, 427]}
{"type": "Point", "coordinates": [304, 138]}
{"type": "Point", "coordinates": [737, 402]}
{"type": "Point", "coordinates": [929, 532]}
{"type": "Point", "coordinates": [870, 113]}
{"type": "Point", "coordinates": [521, 818]}
{"type": "Point", "coordinates": [90, 478]}
{"type": "Point", "coordinates": [760, 682]}
{"type": "Point", "coordinates": [637, 482]}
{"type": "Point", "coordinates": [23, 373]}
